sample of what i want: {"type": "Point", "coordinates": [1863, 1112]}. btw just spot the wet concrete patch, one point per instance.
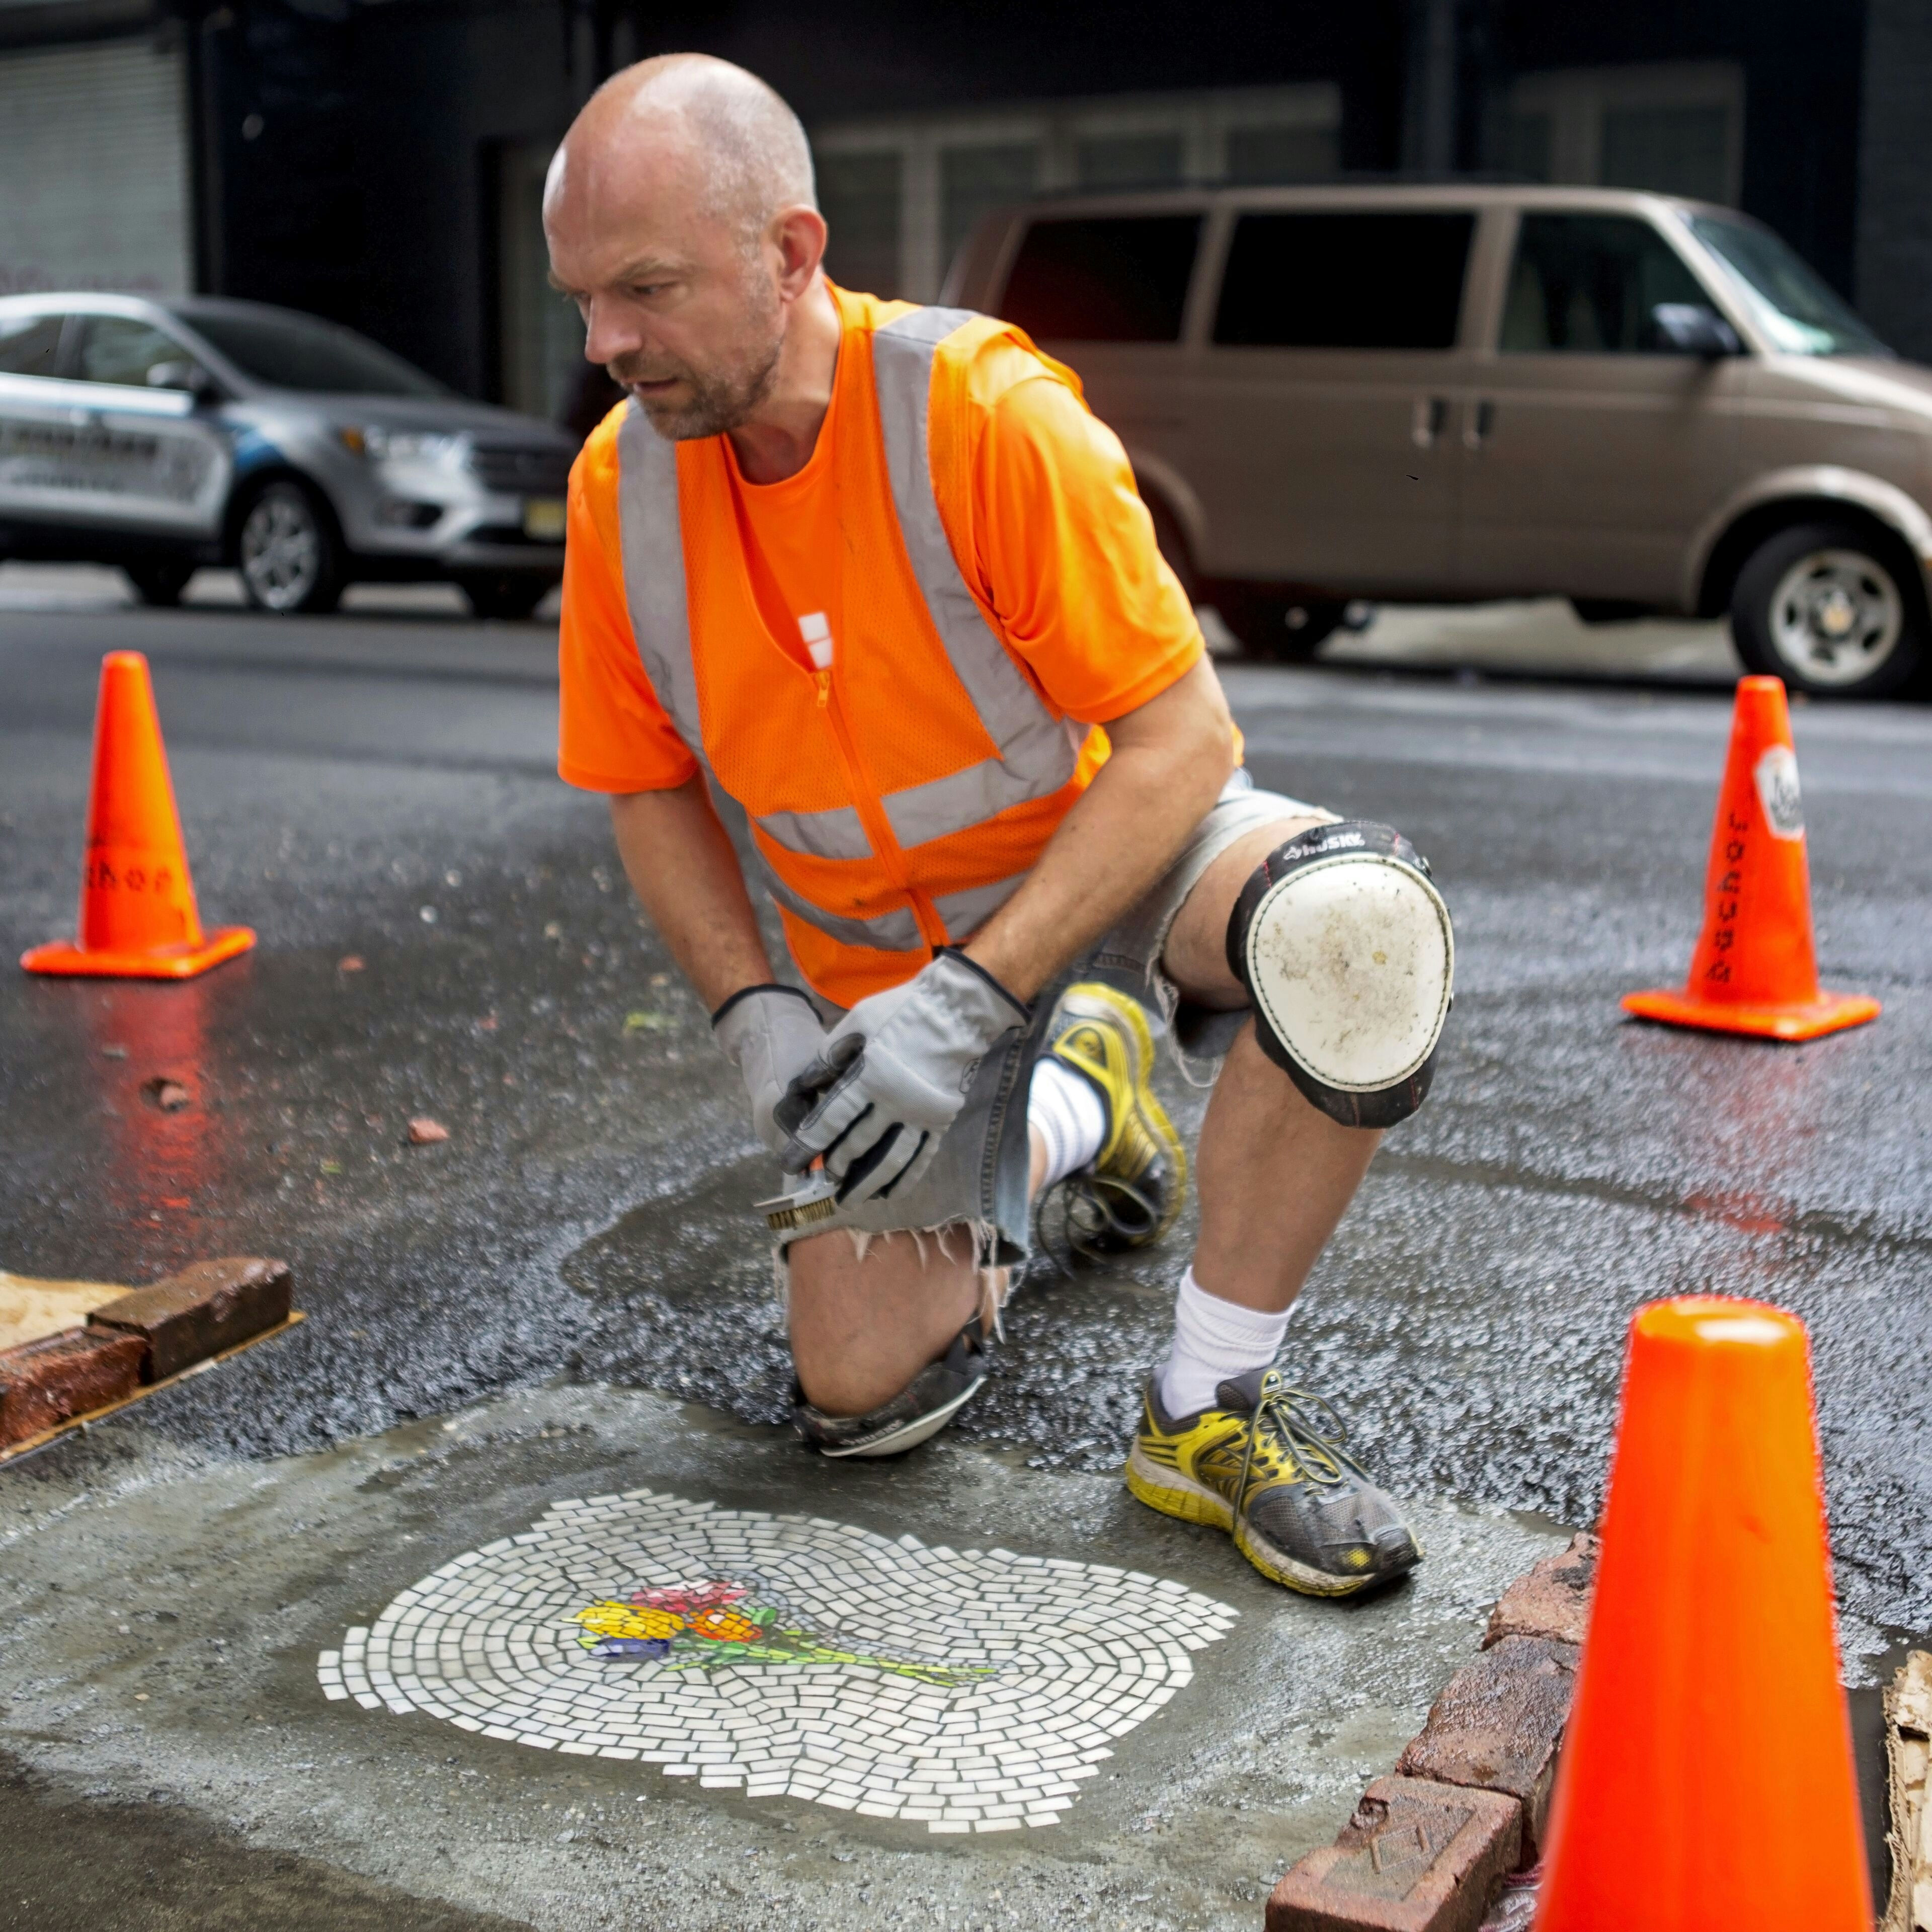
{"type": "Point", "coordinates": [167, 1616]}
{"type": "Point", "coordinates": [76, 1861]}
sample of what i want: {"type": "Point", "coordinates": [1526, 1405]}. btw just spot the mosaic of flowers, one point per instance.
{"type": "Point", "coordinates": [966, 1690]}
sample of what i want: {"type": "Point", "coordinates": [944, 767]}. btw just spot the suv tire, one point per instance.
{"type": "Point", "coordinates": [289, 556]}
{"type": "Point", "coordinates": [159, 581]}
{"type": "Point", "coordinates": [1276, 626]}
{"type": "Point", "coordinates": [509, 595]}
{"type": "Point", "coordinates": [1833, 609]}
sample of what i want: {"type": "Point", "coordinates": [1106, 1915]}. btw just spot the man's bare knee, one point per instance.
{"type": "Point", "coordinates": [868, 1312]}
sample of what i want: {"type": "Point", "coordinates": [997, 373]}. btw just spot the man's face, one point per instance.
{"type": "Point", "coordinates": [678, 304]}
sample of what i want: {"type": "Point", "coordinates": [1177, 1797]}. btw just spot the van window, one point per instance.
{"type": "Point", "coordinates": [1114, 278]}
{"type": "Point", "coordinates": [1322, 280]}
{"type": "Point", "coordinates": [30, 344]}
{"type": "Point", "coordinates": [1586, 284]}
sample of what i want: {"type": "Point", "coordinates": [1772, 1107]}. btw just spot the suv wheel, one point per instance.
{"type": "Point", "coordinates": [290, 558]}
{"type": "Point", "coordinates": [159, 581]}
{"type": "Point", "coordinates": [1272, 624]}
{"type": "Point", "coordinates": [1831, 609]}
{"type": "Point", "coordinates": [510, 595]}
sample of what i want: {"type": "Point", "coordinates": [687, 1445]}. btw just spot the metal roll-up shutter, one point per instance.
{"type": "Point", "coordinates": [93, 170]}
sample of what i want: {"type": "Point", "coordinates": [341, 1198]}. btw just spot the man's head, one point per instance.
{"type": "Point", "coordinates": [681, 218]}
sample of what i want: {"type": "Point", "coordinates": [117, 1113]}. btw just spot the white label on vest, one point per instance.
{"type": "Point", "coordinates": [1777, 776]}
{"type": "Point", "coordinates": [816, 634]}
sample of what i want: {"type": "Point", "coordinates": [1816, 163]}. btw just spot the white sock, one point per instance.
{"type": "Point", "coordinates": [1214, 1341]}
{"type": "Point", "coordinates": [1068, 1114]}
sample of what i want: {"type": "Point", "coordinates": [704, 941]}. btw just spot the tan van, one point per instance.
{"type": "Point", "coordinates": [1443, 394]}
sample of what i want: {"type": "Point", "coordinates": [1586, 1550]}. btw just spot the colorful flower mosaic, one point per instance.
{"type": "Point", "coordinates": [721, 1622]}
{"type": "Point", "coordinates": [966, 1690]}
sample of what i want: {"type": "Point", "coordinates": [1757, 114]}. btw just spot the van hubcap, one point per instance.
{"type": "Point", "coordinates": [1836, 616]}
{"type": "Point", "coordinates": [281, 550]}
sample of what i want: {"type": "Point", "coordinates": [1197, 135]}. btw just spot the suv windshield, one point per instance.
{"type": "Point", "coordinates": [294, 352]}
{"type": "Point", "coordinates": [1788, 301]}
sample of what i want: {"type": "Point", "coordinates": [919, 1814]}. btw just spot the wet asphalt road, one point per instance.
{"type": "Point", "coordinates": [382, 790]}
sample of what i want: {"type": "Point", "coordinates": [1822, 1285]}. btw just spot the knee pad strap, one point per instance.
{"type": "Point", "coordinates": [1345, 949]}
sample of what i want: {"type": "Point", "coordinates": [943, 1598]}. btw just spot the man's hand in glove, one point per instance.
{"type": "Point", "coordinates": [770, 1034]}
{"type": "Point", "coordinates": [893, 1074]}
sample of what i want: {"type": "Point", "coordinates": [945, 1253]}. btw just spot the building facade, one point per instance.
{"type": "Point", "coordinates": [381, 162]}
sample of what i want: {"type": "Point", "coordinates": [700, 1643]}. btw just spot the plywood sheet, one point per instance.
{"type": "Point", "coordinates": [30, 1308]}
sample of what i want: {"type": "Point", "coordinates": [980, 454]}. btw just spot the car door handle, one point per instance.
{"type": "Point", "coordinates": [1426, 425]}
{"type": "Point", "coordinates": [1481, 421]}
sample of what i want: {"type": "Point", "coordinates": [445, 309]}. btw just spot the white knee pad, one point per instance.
{"type": "Point", "coordinates": [1345, 949]}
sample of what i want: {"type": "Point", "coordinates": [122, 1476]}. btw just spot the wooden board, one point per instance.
{"type": "Point", "coordinates": [31, 1308]}
{"type": "Point", "coordinates": [26, 1447]}
{"type": "Point", "coordinates": [1908, 1747]}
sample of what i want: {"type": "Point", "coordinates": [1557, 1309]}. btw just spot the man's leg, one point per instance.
{"type": "Point", "coordinates": [862, 1326]}
{"type": "Point", "coordinates": [1275, 1175]}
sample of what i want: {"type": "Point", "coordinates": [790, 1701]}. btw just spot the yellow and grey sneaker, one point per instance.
{"type": "Point", "coordinates": [1130, 1195]}
{"type": "Point", "coordinates": [1267, 1465]}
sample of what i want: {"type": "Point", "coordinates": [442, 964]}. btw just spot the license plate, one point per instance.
{"type": "Point", "coordinates": [544, 519]}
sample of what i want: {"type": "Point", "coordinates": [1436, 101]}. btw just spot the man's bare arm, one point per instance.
{"type": "Point", "coordinates": [1170, 759]}
{"type": "Point", "coordinates": [680, 862]}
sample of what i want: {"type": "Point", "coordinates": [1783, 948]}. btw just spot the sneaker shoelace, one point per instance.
{"type": "Point", "coordinates": [1310, 1436]}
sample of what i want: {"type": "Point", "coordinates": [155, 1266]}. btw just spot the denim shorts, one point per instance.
{"type": "Point", "coordinates": [978, 1178]}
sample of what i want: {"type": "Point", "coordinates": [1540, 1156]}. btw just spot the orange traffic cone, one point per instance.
{"type": "Point", "coordinates": [137, 912]}
{"type": "Point", "coordinates": [1706, 1781]}
{"type": "Point", "coordinates": [1753, 971]}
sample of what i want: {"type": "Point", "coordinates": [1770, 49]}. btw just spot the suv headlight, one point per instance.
{"type": "Point", "coordinates": [390, 445]}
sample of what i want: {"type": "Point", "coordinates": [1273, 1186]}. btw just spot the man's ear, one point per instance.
{"type": "Point", "coordinates": [799, 235]}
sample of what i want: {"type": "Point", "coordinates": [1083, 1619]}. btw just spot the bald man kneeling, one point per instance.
{"type": "Point", "coordinates": [870, 577]}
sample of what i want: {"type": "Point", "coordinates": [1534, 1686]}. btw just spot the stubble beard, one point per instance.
{"type": "Point", "coordinates": [716, 400]}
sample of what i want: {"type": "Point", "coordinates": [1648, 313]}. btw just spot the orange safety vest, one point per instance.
{"type": "Point", "coordinates": [899, 792]}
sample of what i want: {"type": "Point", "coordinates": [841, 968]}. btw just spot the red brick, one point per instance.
{"type": "Point", "coordinates": [43, 1384]}
{"type": "Point", "coordinates": [1498, 1724]}
{"type": "Point", "coordinates": [1417, 1857]}
{"type": "Point", "coordinates": [211, 1305]}
{"type": "Point", "coordinates": [1552, 1601]}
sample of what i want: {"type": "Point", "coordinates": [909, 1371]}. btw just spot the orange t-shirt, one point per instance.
{"type": "Point", "coordinates": [1061, 550]}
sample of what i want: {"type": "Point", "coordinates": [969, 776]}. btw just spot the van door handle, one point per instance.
{"type": "Point", "coordinates": [1425, 425]}
{"type": "Point", "coordinates": [1476, 431]}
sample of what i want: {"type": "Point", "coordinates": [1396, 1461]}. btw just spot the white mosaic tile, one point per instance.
{"type": "Point", "coordinates": [965, 1690]}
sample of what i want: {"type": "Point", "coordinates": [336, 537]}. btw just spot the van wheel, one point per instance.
{"type": "Point", "coordinates": [1832, 609]}
{"type": "Point", "coordinates": [289, 556]}
{"type": "Point", "coordinates": [1279, 627]}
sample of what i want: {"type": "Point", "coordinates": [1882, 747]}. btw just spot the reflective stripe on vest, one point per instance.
{"type": "Point", "coordinates": [1037, 752]}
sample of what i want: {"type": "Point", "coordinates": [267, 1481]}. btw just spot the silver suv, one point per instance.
{"type": "Point", "coordinates": [1432, 394]}
{"type": "Point", "coordinates": [163, 435]}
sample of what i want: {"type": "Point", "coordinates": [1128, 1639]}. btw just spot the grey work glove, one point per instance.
{"type": "Point", "coordinates": [769, 1033]}
{"type": "Point", "coordinates": [893, 1075]}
